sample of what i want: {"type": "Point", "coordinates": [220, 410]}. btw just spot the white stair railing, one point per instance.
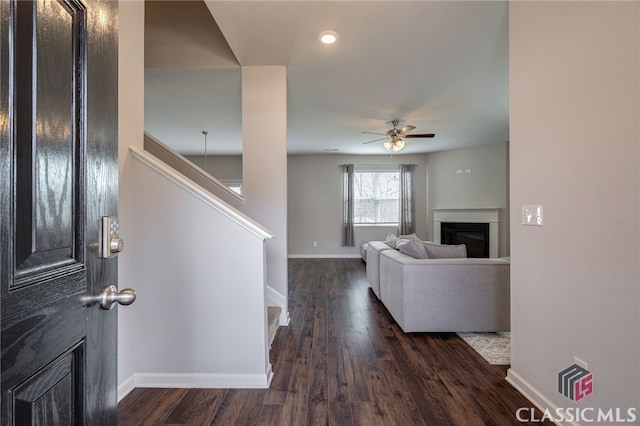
{"type": "Point", "coordinates": [187, 168]}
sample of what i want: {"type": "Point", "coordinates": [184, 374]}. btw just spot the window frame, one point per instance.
{"type": "Point", "coordinates": [391, 169]}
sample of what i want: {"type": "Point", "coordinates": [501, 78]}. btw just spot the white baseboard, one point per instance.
{"type": "Point", "coordinates": [324, 256]}
{"type": "Point", "coordinates": [532, 394]}
{"type": "Point", "coordinates": [126, 387]}
{"type": "Point", "coordinates": [203, 381]}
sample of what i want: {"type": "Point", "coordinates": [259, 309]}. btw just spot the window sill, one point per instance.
{"type": "Point", "coordinates": [376, 225]}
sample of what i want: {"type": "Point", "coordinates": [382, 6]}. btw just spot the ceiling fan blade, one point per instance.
{"type": "Point", "coordinates": [420, 135]}
{"type": "Point", "coordinates": [375, 133]}
{"type": "Point", "coordinates": [407, 128]}
{"type": "Point", "coordinates": [375, 140]}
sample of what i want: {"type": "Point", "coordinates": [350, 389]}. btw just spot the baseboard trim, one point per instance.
{"type": "Point", "coordinates": [534, 395]}
{"type": "Point", "coordinates": [202, 381]}
{"type": "Point", "coordinates": [126, 387]}
{"type": "Point", "coordinates": [324, 256]}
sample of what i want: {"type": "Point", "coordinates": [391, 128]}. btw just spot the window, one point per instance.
{"type": "Point", "coordinates": [376, 195]}
{"type": "Point", "coordinates": [233, 184]}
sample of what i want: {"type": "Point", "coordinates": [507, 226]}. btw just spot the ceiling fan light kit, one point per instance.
{"type": "Point", "coordinates": [394, 145]}
{"type": "Point", "coordinates": [395, 137]}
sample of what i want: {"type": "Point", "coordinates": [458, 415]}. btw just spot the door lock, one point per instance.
{"type": "Point", "coordinates": [110, 242]}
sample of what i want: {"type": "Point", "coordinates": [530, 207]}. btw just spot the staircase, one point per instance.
{"type": "Point", "coordinates": [273, 321]}
{"type": "Point", "coordinates": [207, 300]}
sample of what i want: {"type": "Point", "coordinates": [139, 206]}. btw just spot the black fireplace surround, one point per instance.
{"type": "Point", "coordinates": [473, 235]}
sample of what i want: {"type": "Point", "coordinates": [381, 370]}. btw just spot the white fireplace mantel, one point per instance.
{"type": "Point", "coordinates": [477, 215]}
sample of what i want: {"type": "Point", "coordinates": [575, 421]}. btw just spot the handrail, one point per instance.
{"type": "Point", "coordinates": [202, 193]}
{"type": "Point", "coordinates": [186, 167]}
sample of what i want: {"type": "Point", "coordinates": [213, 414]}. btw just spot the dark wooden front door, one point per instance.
{"type": "Point", "coordinates": [59, 172]}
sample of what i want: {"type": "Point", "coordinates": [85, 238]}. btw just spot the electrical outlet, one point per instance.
{"type": "Point", "coordinates": [315, 244]}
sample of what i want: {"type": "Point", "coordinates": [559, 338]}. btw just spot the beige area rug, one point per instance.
{"type": "Point", "coordinates": [494, 347]}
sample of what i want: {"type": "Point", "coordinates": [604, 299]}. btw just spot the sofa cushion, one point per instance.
{"type": "Point", "coordinates": [413, 247]}
{"type": "Point", "coordinates": [373, 264]}
{"type": "Point", "coordinates": [444, 251]}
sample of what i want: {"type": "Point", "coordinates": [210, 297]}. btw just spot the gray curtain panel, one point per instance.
{"type": "Point", "coordinates": [407, 217]}
{"type": "Point", "coordinates": [347, 206]}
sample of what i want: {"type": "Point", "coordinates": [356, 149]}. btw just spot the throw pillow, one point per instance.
{"type": "Point", "coordinates": [393, 240]}
{"type": "Point", "coordinates": [444, 251]}
{"type": "Point", "coordinates": [413, 247]}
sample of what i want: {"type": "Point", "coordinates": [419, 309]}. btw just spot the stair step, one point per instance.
{"type": "Point", "coordinates": [273, 321]}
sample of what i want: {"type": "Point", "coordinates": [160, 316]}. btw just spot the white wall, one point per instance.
{"type": "Point", "coordinates": [201, 316]}
{"type": "Point", "coordinates": [264, 159]}
{"type": "Point", "coordinates": [575, 149]}
{"type": "Point", "coordinates": [315, 195]}
{"type": "Point", "coordinates": [167, 337]}
{"type": "Point", "coordinates": [482, 183]}
{"type": "Point", "coordinates": [315, 203]}
{"type": "Point", "coordinates": [130, 133]}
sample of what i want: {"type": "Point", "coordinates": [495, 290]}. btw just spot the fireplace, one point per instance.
{"type": "Point", "coordinates": [484, 216]}
{"type": "Point", "coordinates": [473, 235]}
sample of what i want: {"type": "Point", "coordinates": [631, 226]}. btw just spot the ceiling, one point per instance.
{"type": "Point", "coordinates": [441, 66]}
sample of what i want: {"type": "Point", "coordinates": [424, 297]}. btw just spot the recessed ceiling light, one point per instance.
{"type": "Point", "coordinates": [328, 37]}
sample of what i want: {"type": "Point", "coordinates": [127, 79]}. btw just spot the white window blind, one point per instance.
{"type": "Point", "coordinates": [376, 195]}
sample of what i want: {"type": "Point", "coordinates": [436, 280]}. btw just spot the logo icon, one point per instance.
{"type": "Point", "coordinates": [575, 382]}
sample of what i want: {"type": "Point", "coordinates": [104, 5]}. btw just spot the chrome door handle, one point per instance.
{"type": "Point", "coordinates": [110, 296]}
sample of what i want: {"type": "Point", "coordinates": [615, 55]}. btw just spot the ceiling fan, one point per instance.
{"type": "Point", "coordinates": [395, 137]}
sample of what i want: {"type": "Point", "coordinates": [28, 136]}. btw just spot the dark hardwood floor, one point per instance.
{"type": "Point", "coordinates": [344, 361]}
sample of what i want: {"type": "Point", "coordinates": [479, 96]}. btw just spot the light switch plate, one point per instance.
{"type": "Point", "coordinates": [532, 215]}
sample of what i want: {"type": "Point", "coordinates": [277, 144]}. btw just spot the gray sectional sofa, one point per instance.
{"type": "Point", "coordinates": [373, 264]}
{"type": "Point", "coordinates": [440, 294]}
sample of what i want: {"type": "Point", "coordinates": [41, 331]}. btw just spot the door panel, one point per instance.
{"type": "Point", "coordinates": [49, 397]}
{"type": "Point", "coordinates": [58, 152]}
{"type": "Point", "coordinates": [48, 135]}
